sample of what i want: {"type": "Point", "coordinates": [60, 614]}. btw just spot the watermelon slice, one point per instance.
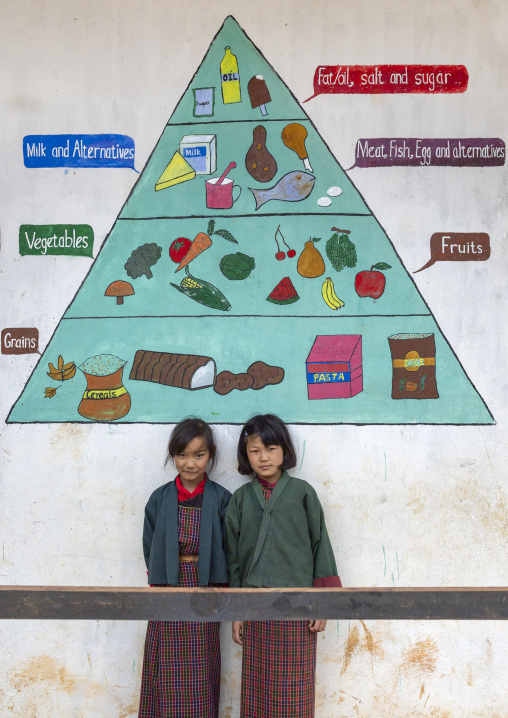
{"type": "Point", "coordinates": [284, 293]}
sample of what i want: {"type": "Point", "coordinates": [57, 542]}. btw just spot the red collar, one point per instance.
{"type": "Point", "coordinates": [184, 494]}
{"type": "Point", "coordinates": [265, 483]}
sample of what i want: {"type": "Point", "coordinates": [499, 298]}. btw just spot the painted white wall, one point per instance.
{"type": "Point", "coordinates": [405, 506]}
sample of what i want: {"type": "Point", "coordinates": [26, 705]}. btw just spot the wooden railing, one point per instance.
{"type": "Point", "coordinates": [227, 604]}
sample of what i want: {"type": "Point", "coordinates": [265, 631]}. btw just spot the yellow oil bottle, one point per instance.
{"type": "Point", "coordinates": [230, 78]}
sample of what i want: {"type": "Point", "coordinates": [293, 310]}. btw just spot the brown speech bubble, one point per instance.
{"type": "Point", "coordinates": [20, 341]}
{"type": "Point", "coordinates": [458, 247]}
{"type": "Point", "coordinates": [436, 152]}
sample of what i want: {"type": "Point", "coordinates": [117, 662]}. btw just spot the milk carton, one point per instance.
{"type": "Point", "coordinates": [200, 151]}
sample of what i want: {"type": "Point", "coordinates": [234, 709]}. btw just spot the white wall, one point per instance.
{"type": "Point", "coordinates": [406, 506]}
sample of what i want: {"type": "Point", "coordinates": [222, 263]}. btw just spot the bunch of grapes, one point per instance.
{"type": "Point", "coordinates": [341, 252]}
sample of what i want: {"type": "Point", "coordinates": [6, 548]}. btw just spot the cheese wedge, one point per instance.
{"type": "Point", "coordinates": [178, 170]}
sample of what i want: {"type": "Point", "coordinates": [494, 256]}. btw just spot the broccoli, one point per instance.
{"type": "Point", "coordinates": [142, 259]}
{"type": "Point", "coordinates": [341, 252]}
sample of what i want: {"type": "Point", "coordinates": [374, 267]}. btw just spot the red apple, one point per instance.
{"type": "Point", "coordinates": [371, 283]}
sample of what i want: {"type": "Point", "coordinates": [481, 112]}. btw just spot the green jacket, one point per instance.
{"type": "Point", "coordinates": [160, 535]}
{"type": "Point", "coordinates": [279, 543]}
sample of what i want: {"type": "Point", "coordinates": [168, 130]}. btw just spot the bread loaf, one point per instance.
{"type": "Point", "coordinates": [184, 371]}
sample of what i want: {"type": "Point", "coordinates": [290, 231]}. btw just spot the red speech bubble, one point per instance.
{"type": "Point", "coordinates": [458, 247]}
{"type": "Point", "coordinates": [20, 341]}
{"type": "Point", "coordinates": [419, 152]}
{"type": "Point", "coordinates": [388, 79]}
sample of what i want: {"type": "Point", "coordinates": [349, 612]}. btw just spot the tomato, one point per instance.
{"type": "Point", "coordinates": [179, 248]}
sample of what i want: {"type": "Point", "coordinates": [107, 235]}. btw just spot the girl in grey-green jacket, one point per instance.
{"type": "Point", "coordinates": [276, 537]}
{"type": "Point", "coordinates": [184, 545]}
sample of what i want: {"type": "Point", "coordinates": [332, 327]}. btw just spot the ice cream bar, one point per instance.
{"type": "Point", "coordinates": [258, 93]}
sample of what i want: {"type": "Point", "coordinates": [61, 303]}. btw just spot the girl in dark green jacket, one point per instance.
{"type": "Point", "coordinates": [276, 537]}
{"type": "Point", "coordinates": [184, 545]}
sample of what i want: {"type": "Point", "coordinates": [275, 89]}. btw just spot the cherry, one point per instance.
{"type": "Point", "coordinates": [291, 252]}
{"type": "Point", "coordinates": [280, 255]}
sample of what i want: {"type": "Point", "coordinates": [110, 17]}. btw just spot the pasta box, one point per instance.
{"type": "Point", "coordinates": [334, 367]}
{"type": "Point", "coordinates": [200, 151]}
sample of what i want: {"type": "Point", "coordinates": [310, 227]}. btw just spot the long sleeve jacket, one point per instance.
{"type": "Point", "coordinates": [160, 535]}
{"type": "Point", "coordinates": [282, 542]}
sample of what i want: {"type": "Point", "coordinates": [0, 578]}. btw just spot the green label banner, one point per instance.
{"type": "Point", "coordinates": [75, 240]}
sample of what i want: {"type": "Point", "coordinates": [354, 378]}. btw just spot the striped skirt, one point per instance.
{"type": "Point", "coordinates": [278, 670]}
{"type": "Point", "coordinates": [181, 664]}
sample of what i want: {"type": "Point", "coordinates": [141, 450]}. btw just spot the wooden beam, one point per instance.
{"type": "Point", "coordinates": [226, 604]}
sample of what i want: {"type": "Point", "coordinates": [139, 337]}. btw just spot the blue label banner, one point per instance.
{"type": "Point", "coordinates": [194, 151]}
{"type": "Point", "coordinates": [78, 151]}
{"type": "Point", "coordinates": [333, 377]}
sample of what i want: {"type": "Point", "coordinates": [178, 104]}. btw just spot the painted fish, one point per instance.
{"type": "Point", "coordinates": [293, 187]}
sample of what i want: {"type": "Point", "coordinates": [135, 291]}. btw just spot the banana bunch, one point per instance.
{"type": "Point", "coordinates": [328, 292]}
{"type": "Point", "coordinates": [63, 372]}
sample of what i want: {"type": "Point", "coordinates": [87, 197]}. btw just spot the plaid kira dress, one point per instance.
{"type": "Point", "coordinates": [181, 664]}
{"type": "Point", "coordinates": [278, 667]}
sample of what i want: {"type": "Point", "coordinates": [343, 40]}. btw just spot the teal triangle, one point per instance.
{"type": "Point", "coordinates": [251, 62]}
{"type": "Point", "coordinates": [159, 327]}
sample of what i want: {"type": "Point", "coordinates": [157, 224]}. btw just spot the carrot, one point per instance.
{"type": "Point", "coordinates": [201, 242]}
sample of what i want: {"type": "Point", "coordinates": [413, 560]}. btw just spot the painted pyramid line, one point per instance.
{"type": "Point", "coordinates": [247, 330]}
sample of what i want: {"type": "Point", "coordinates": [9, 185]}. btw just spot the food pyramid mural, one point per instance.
{"type": "Point", "coordinates": [245, 273]}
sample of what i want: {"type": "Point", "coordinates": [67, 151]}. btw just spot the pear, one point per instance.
{"type": "Point", "coordinates": [310, 262]}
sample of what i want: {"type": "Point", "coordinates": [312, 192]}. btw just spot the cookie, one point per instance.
{"type": "Point", "coordinates": [264, 374]}
{"type": "Point", "coordinates": [227, 381]}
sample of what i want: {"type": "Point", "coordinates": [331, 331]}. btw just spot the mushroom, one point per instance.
{"type": "Point", "coordinates": [119, 289]}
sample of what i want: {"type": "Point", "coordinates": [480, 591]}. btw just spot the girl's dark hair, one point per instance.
{"type": "Point", "coordinates": [186, 431]}
{"type": "Point", "coordinates": [271, 430]}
